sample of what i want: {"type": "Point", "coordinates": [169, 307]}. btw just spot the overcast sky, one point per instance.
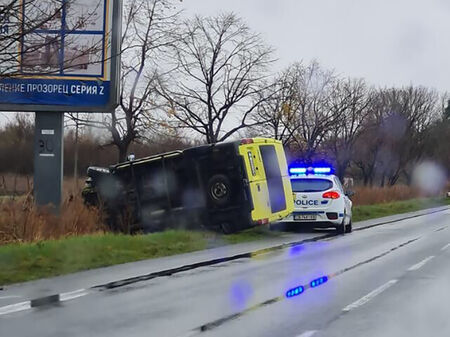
{"type": "Point", "coordinates": [388, 42]}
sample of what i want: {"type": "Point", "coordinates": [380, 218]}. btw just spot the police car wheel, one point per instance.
{"type": "Point", "coordinates": [340, 229]}
{"type": "Point", "coordinates": [219, 190]}
{"type": "Point", "coordinates": [349, 227]}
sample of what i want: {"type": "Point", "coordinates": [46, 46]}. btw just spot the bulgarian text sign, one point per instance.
{"type": "Point", "coordinates": [59, 55]}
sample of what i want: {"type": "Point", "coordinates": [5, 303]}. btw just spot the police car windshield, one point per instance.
{"type": "Point", "coordinates": [311, 185]}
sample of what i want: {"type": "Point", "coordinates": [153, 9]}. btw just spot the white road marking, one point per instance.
{"type": "Point", "coordinates": [308, 333]}
{"type": "Point", "coordinates": [445, 247]}
{"type": "Point", "coordinates": [6, 297]}
{"type": "Point", "coordinates": [420, 264]}
{"type": "Point", "coordinates": [369, 296]}
{"type": "Point", "coordinates": [72, 295]}
{"type": "Point", "coordinates": [9, 309]}
{"type": "Point", "coordinates": [190, 333]}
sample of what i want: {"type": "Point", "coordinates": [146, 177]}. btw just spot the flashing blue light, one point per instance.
{"type": "Point", "coordinates": [322, 170]}
{"type": "Point", "coordinates": [295, 291]}
{"type": "Point", "coordinates": [319, 281]}
{"type": "Point", "coordinates": [297, 170]}
{"type": "Point", "coordinates": [310, 170]}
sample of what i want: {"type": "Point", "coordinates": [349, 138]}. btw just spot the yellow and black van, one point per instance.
{"type": "Point", "coordinates": [229, 186]}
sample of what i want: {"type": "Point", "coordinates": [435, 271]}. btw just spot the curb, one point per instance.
{"type": "Point", "coordinates": [62, 297]}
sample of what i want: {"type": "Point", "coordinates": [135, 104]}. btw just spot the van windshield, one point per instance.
{"type": "Point", "coordinates": [311, 185]}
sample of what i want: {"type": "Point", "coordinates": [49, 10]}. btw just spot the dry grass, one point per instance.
{"type": "Point", "coordinates": [21, 221]}
{"type": "Point", "coordinates": [381, 195]}
{"type": "Point", "coordinates": [14, 185]}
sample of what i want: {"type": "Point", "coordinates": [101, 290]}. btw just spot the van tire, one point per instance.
{"type": "Point", "coordinates": [349, 227]}
{"type": "Point", "coordinates": [219, 190]}
{"type": "Point", "coordinates": [228, 228]}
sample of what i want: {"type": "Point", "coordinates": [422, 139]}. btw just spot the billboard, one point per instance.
{"type": "Point", "coordinates": [59, 55]}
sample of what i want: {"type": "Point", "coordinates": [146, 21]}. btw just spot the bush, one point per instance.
{"type": "Point", "coordinates": [22, 221]}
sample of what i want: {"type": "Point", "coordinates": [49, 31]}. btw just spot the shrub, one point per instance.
{"type": "Point", "coordinates": [22, 221]}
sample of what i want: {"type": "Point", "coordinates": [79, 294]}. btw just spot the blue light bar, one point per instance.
{"type": "Point", "coordinates": [322, 170]}
{"type": "Point", "coordinates": [310, 170]}
{"type": "Point", "coordinates": [295, 292]}
{"type": "Point", "coordinates": [297, 170]}
{"type": "Point", "coordinates": [318, 282]}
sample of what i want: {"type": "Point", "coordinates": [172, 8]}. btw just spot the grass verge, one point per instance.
{"type": "Point", "coordinates": [23, 262]}
{"type": "Point", "coordinates": [366, 212]}
{"type": "Point", "coordinates": [30, 261]}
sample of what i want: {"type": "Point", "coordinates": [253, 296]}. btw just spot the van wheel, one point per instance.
{"type": "Point", "coordinates": [228, 228]}
{"type": "Point", "coordinates": [219, 190]}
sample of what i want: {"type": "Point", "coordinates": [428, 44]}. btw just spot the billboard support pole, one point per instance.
{"type": "Point", "coordinates": [48, 159]}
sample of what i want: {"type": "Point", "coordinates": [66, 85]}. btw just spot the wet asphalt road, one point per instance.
{"type": "Point", "coordinates": [391, 280]}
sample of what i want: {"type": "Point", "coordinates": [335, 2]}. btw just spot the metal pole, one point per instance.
{"type": "Point", "coordinates": [75, 169]}
{"type": "Point", "coordinates": [48, 159]}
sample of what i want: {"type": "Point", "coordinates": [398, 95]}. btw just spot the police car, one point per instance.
{"type": "Point", "coordinates": [320, 199]}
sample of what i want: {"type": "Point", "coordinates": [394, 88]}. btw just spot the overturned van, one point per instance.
{"type": "Point", "coordinates": [227, 186]}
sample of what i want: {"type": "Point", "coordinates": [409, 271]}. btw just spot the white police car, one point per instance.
{"type": "Point", "coordinates": [320, 199]}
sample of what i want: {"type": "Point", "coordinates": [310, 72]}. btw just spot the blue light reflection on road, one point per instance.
{"type": "Point", "coordinates": [240, 294]}
{"type": "Point", "coordinates": [300, 289]}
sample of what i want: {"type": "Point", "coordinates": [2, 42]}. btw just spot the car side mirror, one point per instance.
{"type": "Point", "coordinates": [349, 193]}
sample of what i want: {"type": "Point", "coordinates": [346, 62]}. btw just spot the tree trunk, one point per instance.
{"type": "Point", "coordinates": [123, 151]}
{"type": "Point", "coordinates": [341, 169]}
{"type": "Point", "coordinates": [382, 180]}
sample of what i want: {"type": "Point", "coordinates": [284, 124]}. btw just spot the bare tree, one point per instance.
{"type": "Point", "coordinates": [411, 110]}
{"type": "Point", "coordinates": [400, 129]}
{"type": "Point", "coordinates": [369, 143]}
{"type": "Point", "coordinates": [301, 113]}
{"type": "Point", "coordinates": [222, 68]}
{"type": "Point", "coordinates": [149, 30]}
{"type": "Point", "coordinates": [349, 102]}
{"type": "Point", "coordinates": [278, 111]}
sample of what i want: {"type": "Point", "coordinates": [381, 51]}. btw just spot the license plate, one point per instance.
{"type": "Point", "coordinates": [305, 217]}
